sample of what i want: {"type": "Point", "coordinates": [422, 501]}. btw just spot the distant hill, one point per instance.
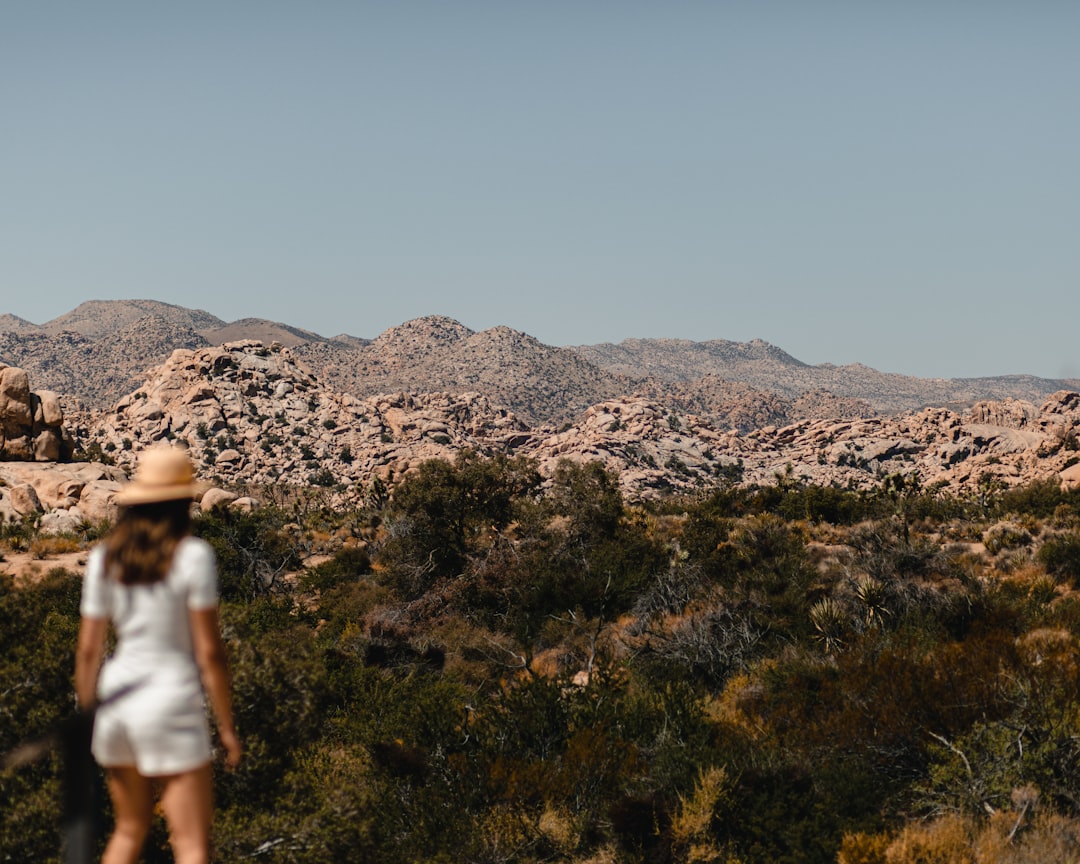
{"type": "Point", "coordinates": [99, 352]}
{"type": "Point", "coordinates": [96, 318]}
{"type": "Point", "coordinates": [14, 324]}
{"type": "Point", "coordinates": [765, 367]}
{"type": "Point", "coordinates": [538, 382]}
{"type": "Point", "coordinates": [260, 330]}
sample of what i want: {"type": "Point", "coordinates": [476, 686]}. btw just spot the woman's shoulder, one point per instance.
{"type": "Point", "coordinates": [195, 568]}
{"type": "Point", "coordinates": [96, 556]}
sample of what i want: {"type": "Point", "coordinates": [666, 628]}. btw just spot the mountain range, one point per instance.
{"type": "Point", "coordinates": [99, 352]}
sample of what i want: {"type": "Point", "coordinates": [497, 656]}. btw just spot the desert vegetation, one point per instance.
{"type": "Point", "coordinates": [490, 667]}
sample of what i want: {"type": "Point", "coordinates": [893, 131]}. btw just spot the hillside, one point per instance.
{"type": "Point", "coordinates": [95, 372]}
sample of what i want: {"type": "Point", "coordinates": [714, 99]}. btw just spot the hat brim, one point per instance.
{"type": "Point", "coordinates": [135, 494]}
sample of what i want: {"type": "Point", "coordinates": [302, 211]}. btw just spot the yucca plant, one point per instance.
{"type": "Point", "coordinates": [829, 622]}
{"type": "Point", "coordinates": [874, 595]}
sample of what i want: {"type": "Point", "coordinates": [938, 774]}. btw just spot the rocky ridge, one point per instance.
{"type": "Point", "coordinates": [96, 318]}
{"type": "Point", "coordinates": [252, 415]}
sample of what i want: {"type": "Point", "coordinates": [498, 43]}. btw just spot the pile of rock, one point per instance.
{"type": "Point", "coordinates": [994, 444]}
{"type": "Point", "coordinates": [252, 414]}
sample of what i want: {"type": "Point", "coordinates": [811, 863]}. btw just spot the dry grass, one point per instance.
{"type": "Point", "coordinates": [1008, 837]}
{"type": "Point", "coordinates": [46, 545]}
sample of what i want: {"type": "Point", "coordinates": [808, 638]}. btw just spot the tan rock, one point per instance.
{"type": "Point", "coordinates": [48, 446]}
{"type": "Point", "coordinates": [15, 409]}
{"type": "Point", "coordinates": [214, 498]}
{"type": "Point", "coordinates": [52, 414]}
{"type": "Point", "coordinates": [24, 499]}
{"type": "Point", "coordinates": [1070, 477]}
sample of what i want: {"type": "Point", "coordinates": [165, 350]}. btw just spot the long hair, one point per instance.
{"type": "Point", "coordinates": [140, 547]}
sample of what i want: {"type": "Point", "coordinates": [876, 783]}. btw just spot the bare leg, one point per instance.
{"type": "Point", "coordinates": [133, 805]}
{"type": "Point", "coordinates": [186, 800]}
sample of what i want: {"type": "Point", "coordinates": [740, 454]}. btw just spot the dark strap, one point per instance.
{"type": "Point", "coordinates": [81, 787]}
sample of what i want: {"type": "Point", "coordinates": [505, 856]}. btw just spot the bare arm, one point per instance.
{"type": "Point", "coordinates": [88, 654]}
{"type": "Point", "coordinates": [214, 669]}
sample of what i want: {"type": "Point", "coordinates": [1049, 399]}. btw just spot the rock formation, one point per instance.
{"type": "Point", "coordinates": [31, 422]}
{"type": "Point", "coordinates": [251, 414]}
{"type": "Point", "coordinates": [60, 496]}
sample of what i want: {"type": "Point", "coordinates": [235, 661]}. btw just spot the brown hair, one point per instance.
{"type": "Point", "coordinates": [140, 547]}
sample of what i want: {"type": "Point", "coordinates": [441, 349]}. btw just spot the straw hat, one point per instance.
{"type": "Point", "coordinates": [164, 474]}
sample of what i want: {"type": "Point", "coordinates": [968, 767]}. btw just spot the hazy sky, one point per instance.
{"type": "Point", "coordinates": [891, 183]}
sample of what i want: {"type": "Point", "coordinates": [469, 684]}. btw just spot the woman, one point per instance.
{"type": "Point", "coordinates": [157, 585]}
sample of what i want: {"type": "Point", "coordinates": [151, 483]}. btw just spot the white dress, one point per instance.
{"type": "Point", "coordinates": [160, 724]}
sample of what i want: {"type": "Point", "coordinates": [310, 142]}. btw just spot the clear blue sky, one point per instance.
{"type": "Point", "coordinates": [891, 183]}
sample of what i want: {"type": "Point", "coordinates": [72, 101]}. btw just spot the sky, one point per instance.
{"type": "Point", "coordinates": [888, 183]}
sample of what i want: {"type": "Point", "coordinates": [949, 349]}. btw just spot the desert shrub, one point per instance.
{"type": "Point", "coordinates": [862, 848]}
{"type": "Point", "coordinates": [694, 827]}
{"type": "Point", "coordinates": [347, 564]}
{"type": "Point", "coordinates": [790, 812]}
{"type": "Point", "coordinates": [669, 591]}
{"type": "Point", "coordinates": [704, 539]}
{"type": "Point", "coordinates": [887, 550]}
{"type": "Point", "coordinates": [443, 513]}
{"type": "Point", "coordinates": [280, 699]}
{"type": "Point", "coordinates": [1005, 536]}
{"type": "Point", "coordinates": [18, 534]}
{"type": "Point", "coordinates": [581, 553]}
{"type": "Point", "coordinates": [707, 645]}
{"type": "Point", "coordinates": [763, 571]}
{"type": "Point", "coordinates": [254, 550]}
{"type": "Point", "coordinates": [1060, 555]}
{"type": "Point", "coordinates": [823, 504]}
{"type": "Point", "coordinates": [1038, 498]}
{"type": "Point", "coordinates": [44, 545]}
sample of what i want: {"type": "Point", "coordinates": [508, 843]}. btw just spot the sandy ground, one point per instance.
{"type": "Point", "coordinates": [24, 566]}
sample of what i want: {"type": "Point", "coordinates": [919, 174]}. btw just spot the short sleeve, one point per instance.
{"type": "Point", "coordinates": [95, 592]}
{"type": "Point", "coordinates": [198, 572]}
